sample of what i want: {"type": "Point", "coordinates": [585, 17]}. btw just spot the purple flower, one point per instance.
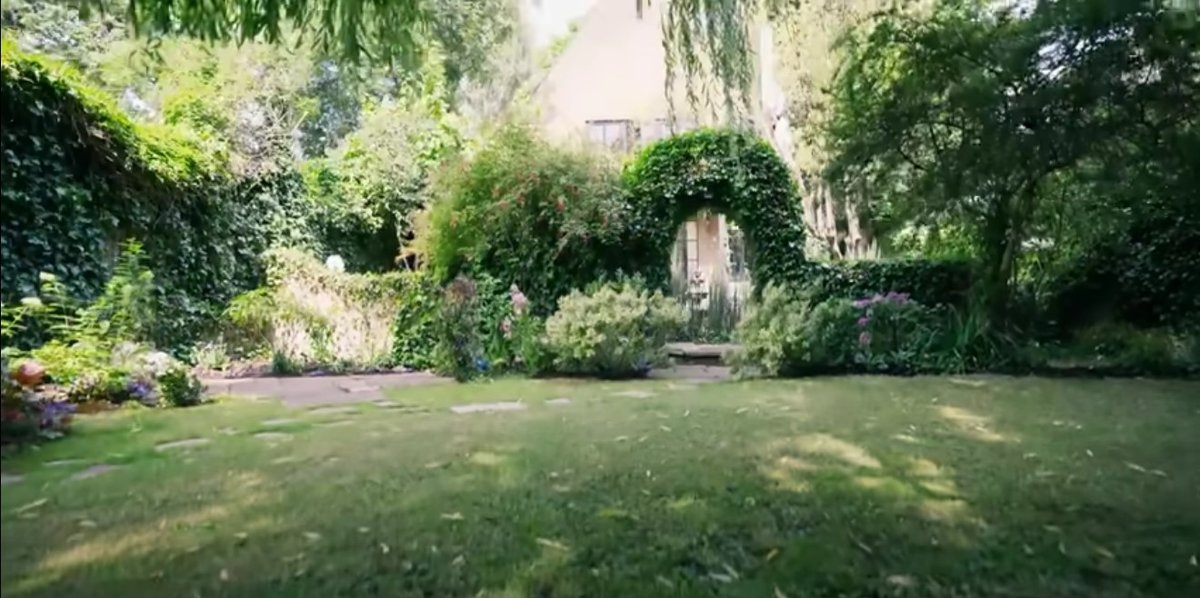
{"type": "Point", "coordinates": [864, 338]}
{"type": "Point", "coordinates": [860, 303]}
{"type": "Point", "coordinates": [142, 391]}
{"type": "Point", "coordinates": [863, 321]}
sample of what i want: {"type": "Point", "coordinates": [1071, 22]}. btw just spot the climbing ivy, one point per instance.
{"type": "Point", "coordinates": [78, 177]}
{"type": "Point", "coordinates": [724, 170]}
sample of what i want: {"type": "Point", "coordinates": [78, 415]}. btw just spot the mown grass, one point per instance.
{"type": "Point", "coordinates": [826, 487]}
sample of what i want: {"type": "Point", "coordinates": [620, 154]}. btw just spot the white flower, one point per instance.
{"type": "Point", "coordinates": [335, 263]}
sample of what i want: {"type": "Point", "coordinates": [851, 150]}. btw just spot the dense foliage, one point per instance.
{"type": "Point", "coordinates": [1051, 125]}
{"type": "Point", "coordinates": [615, 331]}
{"type": "Point", "coordinates": [94, 352]}
{"type": "Point", "coordinates": [932, 282]}
{"type": "Point", "coordinates": [526, 212]}
{"type": "Point", "coordinates": [79, 177]}
{"type": "Point", "coordinates": [726, 171]}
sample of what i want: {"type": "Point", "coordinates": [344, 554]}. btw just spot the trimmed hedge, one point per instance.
{"type": "Point", "coordinates": [78, 178]}
{"type": "Point", "coordinates": [930, 282]}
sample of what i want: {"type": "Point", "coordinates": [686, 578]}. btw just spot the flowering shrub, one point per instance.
{"type": "Point", "coordinates": [895, 333]}
{"type": "Point", "coordinates": [27, 414]}
{"type": "Point", "coordinates": [786, 333]}
{"type": "Point", "coordinates": [459, 352]}
{"type": "Point", "coordinates": [527, 212]}
{"type": "Point", "coordinates": [616, 331]}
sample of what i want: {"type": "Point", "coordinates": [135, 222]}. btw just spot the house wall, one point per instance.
{"type": "Point", "coordinates": [614, 68]}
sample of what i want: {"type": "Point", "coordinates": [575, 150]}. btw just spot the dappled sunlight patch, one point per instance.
{"type": "Point", "coordinates": [828, 446]}
{"type": "Point", "coordinates": [971, 424]}
{"type": "Point", "coordinates": [924, 468]}
{"type": "Point", "coordinates": [940, 487]}
{"type": "Point", "coordinates": [487, 459]}
{"type": "Point", "coordinates": [950, 511]}
{"type": "Point", "coordinates": [884, 485]}
{"type": "Point", "coordinates": [124, 543]}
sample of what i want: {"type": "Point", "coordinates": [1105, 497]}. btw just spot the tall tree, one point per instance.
{"type": "Point", "coordinates": [971, 113]}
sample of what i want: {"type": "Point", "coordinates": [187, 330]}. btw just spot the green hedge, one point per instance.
{"type": "Point", "coordinates": [930, 282]}
{"type": "Point", "coordinates": [78, 177]}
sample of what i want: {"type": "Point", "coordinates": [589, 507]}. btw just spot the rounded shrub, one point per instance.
{"type": "Point", "coordinates": [616, 331]}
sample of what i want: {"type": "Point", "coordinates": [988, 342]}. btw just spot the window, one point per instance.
{"type": "Point", "coordinates": [618, 135]}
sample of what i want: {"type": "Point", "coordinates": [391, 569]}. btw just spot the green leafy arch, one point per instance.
{"type": "Point", "coordinates": [724, 170]}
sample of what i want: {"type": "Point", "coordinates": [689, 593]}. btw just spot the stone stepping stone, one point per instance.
{"type": "Point", "coordinates": [185, 443]}
{"type": "Point", "coordinates": [94, 471]}
{"type": "Point", "coordinates": [279, 421]}
{"type": "Point", "coordinates": [357, 387]}
{"type": "Point", "coordinates": [634, 394]}
{"type": "Point", "coordinates": [8, 479]}
{"type": "Point", "coordinates": [63, 462]}
{"type": "Point", "coordinates": [489, 407]}
{"type": "Point", "coordinates": [559, 402]}
{"type": "Point", "coordinates": [333, 411]}
{"type": "Point", "coordinates": [273, 436]}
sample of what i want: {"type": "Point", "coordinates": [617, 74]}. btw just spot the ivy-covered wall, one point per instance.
{"type": "Point", "coordinates": [78, 177]}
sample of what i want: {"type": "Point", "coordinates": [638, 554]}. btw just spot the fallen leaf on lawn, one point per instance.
{"type": "Point", "coordinates": [721, 578]}
{"type": "Point", "coordinates": [779, 593]}
{"type": "Point", "coordinates": [771, 555]}
{"type": "Point", "coordinates": [687, 412]}
{"type": "Point", "coordinates": [1104, 552]}
{"type": "Point", "coordinates": [87, 523]}
{"type": "Point", "coordinates": [1028, 549]}
{"type": "Point", "coordinates": [1194, 561]}
{"type": "Point", "coordinates": [1062, 549]}
{"type": "Point", "coordinates": [363, 530]}
{"type": "Point", "coordinates": [742, 410]}
{"type": "Point", "coordinates": [903, 581]}
{"type": "Point", "coordinates": [552, 544]}
{"type": "Point", "coordinates": [643, 439]}
{"type": "Point", "coordinates": [312, 536]}
{"type": "Point", "coordinates": [1140, 469]}
{"type": "Point", "coordinates": [434, 465]}
{"type": "Point", "coordinates": [384, 548]}
{"type": "Point", "coordinates": [1054, 529]}
{"type": "Point", "coordinates": [224, 575]}
{"type": "Point", "coordinates": [1090, 454]}
{"type": "Point", "coordinates": [621, 438]}
{"type": "Point", "coordinates": [455, 516]}
{"type": "Point", "coordinates": [458, 561]}
{"type": "Point", "coordinates": [664, 428]}
{"type": "Point", "coordinates": [664, 581]}
{"type": "Point", "coordinates": [730, 571]}
{"type": "Point", "coordinates": [33, 505]}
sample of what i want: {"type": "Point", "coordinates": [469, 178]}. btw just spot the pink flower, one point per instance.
{"type": "Point", "coordinates": [864, 338]}
{"type": "Point", "coordinates": [519, 301]}
{"type": "Point", "coordinates": [863, 321]}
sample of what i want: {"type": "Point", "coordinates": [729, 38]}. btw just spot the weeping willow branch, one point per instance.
{"type": "Point", "coordinates": [707, 41]}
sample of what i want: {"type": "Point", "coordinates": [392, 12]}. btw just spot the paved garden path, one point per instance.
{"type": "Point", "coordinates": [308, 391]}
{"type": "Point", "coordinates": [305, 391]}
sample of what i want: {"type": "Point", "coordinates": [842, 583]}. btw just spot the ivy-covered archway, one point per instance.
{"type": "Point", "coordinates": [726, 171]}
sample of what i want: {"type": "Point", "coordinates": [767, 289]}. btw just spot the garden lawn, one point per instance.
{"type": "Point", "coordinates": [857, 486]}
